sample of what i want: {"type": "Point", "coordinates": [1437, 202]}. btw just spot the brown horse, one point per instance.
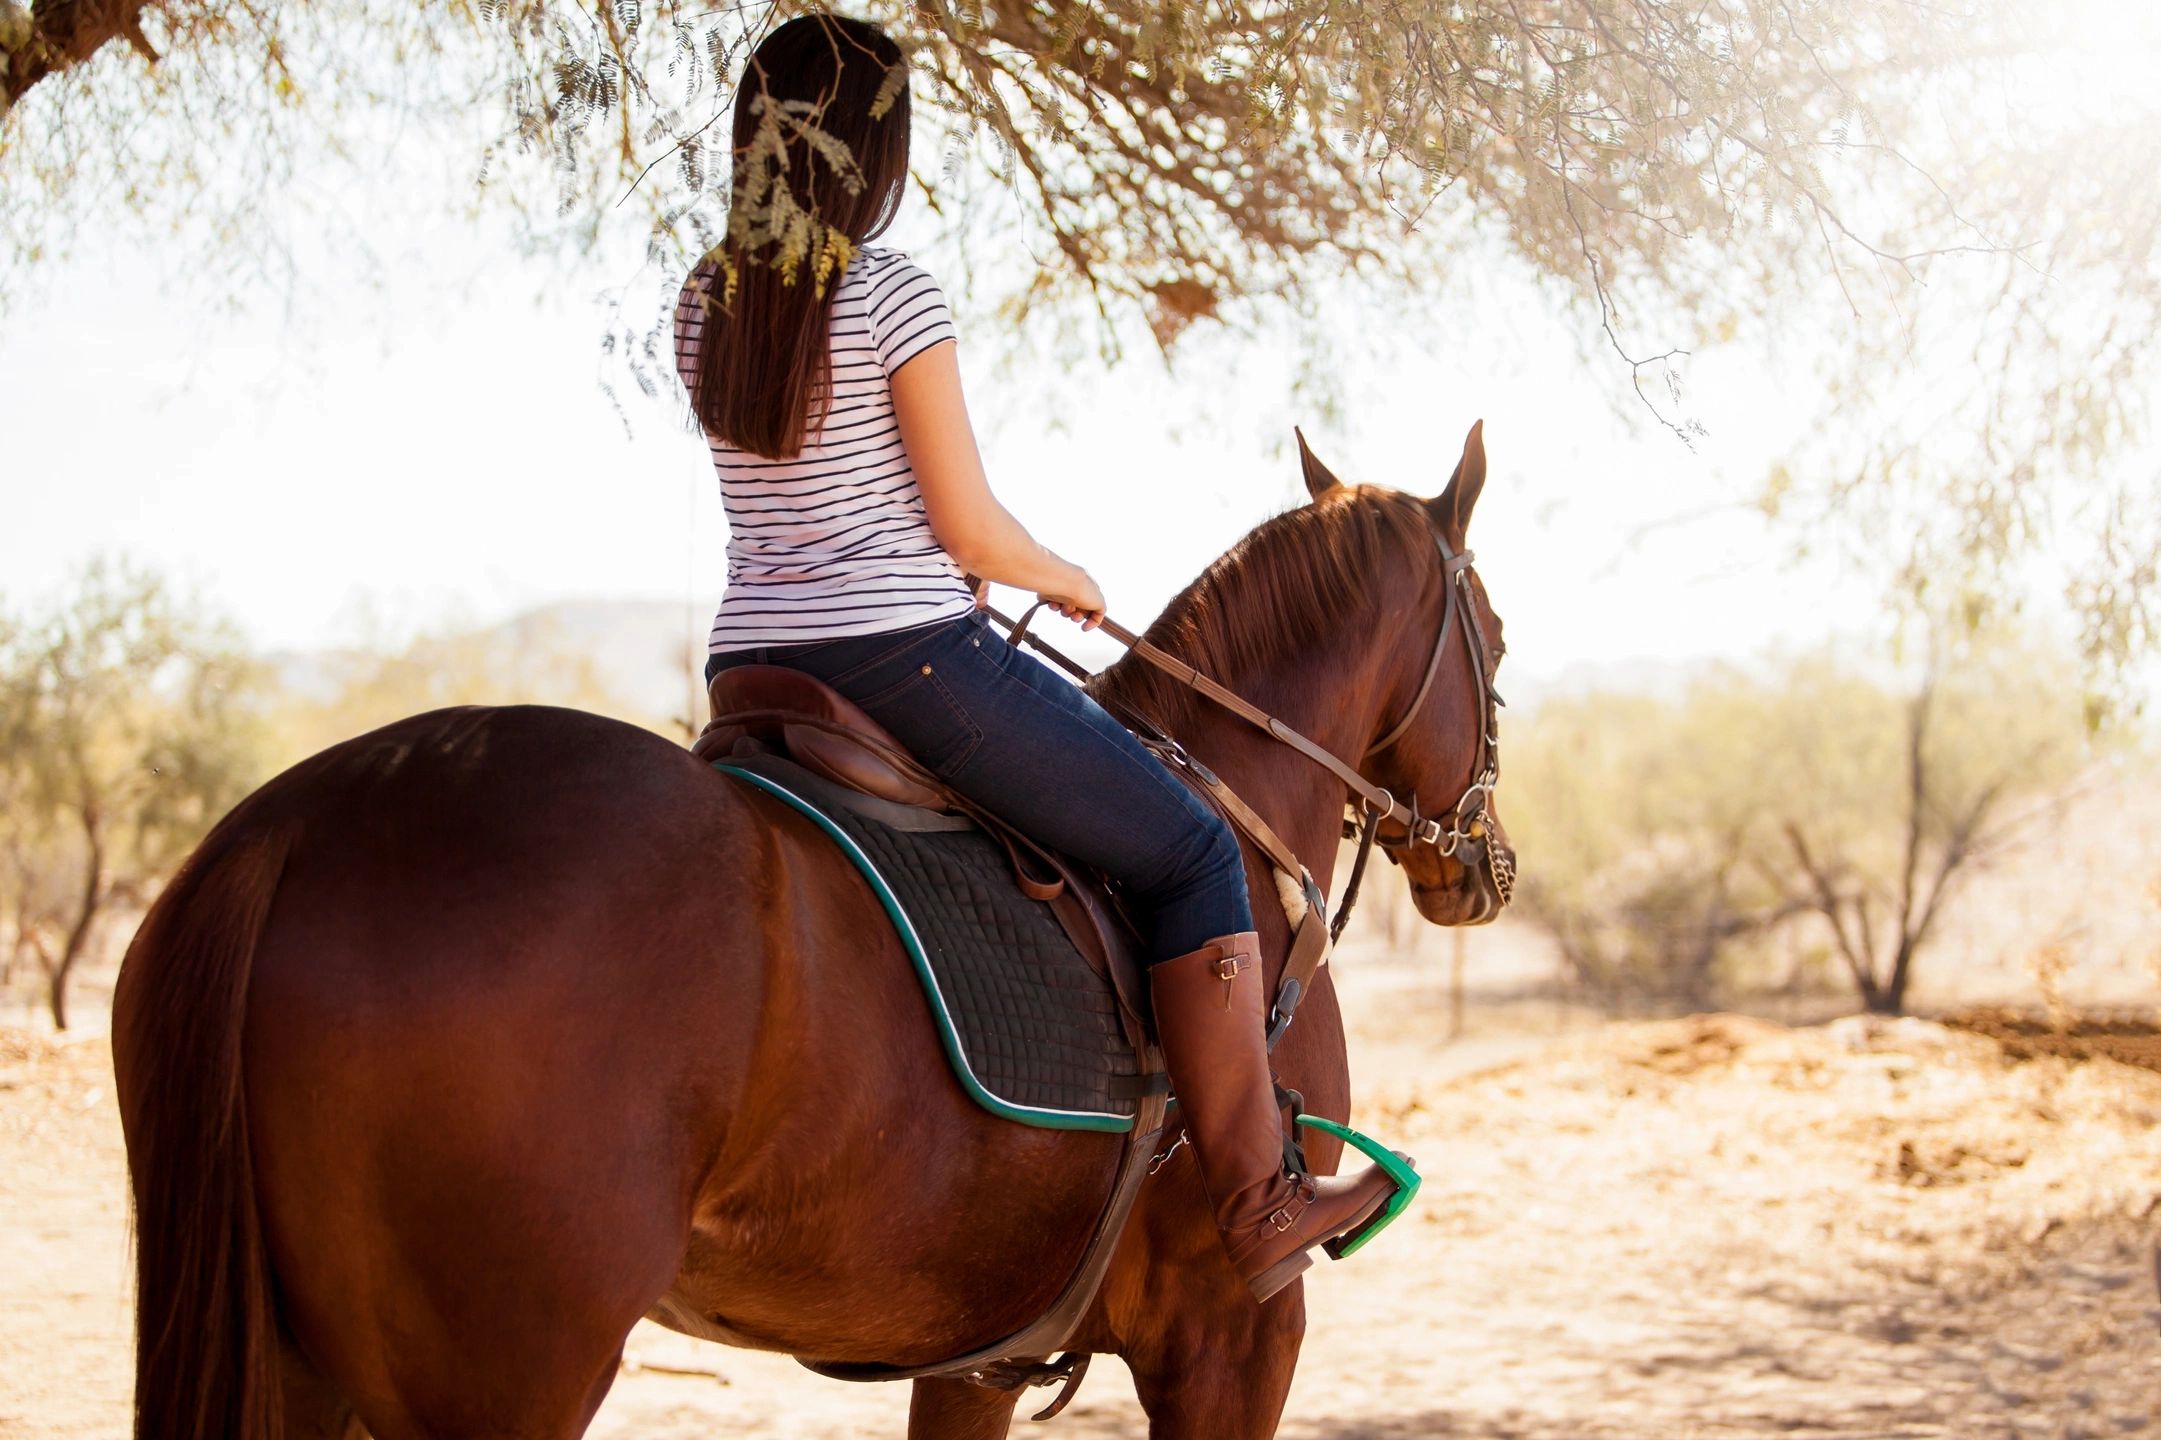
{"type": "Point", "coordinates": [458, 1048]}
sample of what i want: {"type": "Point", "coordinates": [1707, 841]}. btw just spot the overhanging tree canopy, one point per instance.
{"type": "Point", "coordinates": [1902, 178]}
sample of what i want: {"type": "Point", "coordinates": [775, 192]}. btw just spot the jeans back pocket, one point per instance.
{"type": "Point", "coordinates": [924, 715]}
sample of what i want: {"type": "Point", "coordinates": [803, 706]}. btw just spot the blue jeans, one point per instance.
{"type": "Point", "coordinates": [1013, 735]}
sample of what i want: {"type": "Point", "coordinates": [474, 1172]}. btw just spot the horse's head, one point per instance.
{"type": "Point", "coordinates": [1435, 748]}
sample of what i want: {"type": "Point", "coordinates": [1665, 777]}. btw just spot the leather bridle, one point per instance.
{"type": "Point", "coordinates": [1467, 836]}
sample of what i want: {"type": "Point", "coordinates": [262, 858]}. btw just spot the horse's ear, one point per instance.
{"type": "Point", "coordinates": [1452, 508]}
{"type": "Point", "coordinates": [1319, 479]}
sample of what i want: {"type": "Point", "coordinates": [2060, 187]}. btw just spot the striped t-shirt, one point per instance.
{"type": "Point", "coordinates": [835, 541]}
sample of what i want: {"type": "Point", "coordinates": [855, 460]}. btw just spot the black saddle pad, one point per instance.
{"type": "Point", "coordinates": [1031, 1029]}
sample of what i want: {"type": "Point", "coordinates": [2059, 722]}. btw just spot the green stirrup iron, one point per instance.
{"type": "Point", "coordinates": [1393, 1165]}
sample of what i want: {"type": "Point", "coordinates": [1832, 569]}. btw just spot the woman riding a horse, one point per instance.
{"type": "Point", "coordinates": [856, 502]}
{"type": "Point", "coordinates": [458, 1049]}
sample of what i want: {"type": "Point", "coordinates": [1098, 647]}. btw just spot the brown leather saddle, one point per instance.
{"type": "Point", "coordinates": [798, 715]}
{"type": "Point", "coordinates": [820, 728]}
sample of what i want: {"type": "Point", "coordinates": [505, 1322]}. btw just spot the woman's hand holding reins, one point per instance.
{"type": "Point", "coordinates": [1082, 600]}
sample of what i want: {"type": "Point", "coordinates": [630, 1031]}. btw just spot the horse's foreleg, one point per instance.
{"type": "Point", "coordinates": [957, 1410]}
{"type": "Point", "coordinates": [1220, 1371]}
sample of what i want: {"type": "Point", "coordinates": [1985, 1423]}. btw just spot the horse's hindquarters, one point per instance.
{"type": "Point", "coordinates": [548, 1022]}
{"type": "Point", "coordinates": [475, 1130]}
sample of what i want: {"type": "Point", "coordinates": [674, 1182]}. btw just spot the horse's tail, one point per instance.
{"type": "Point", "coordinates": [206, 1329]}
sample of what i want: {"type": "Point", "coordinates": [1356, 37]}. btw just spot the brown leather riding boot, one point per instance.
{"type": "Point", "coordinates": [1210, 1008]}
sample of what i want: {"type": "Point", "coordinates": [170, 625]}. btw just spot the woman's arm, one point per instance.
{"type": "Point", "coordinates": [979, 533]}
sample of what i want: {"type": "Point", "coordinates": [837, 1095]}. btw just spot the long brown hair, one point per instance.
{"type": "Point", "coordinates": [821, 157]}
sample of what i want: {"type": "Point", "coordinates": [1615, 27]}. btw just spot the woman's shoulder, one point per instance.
{"type": "Point", "coordinates": [904, 305]}
{"type": "Point", "coordinates": [878, 266]}
{"type": "Point", "coordinates": [883, 273]}
{"type": "Point", "coordinates": [878, 257]}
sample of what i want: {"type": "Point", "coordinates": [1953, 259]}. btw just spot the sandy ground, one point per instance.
{"type": "Point", "coordinates": [1709, 1227]}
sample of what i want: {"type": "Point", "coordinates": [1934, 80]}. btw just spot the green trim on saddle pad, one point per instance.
{"type": "Point", "coordinates": [948, 1034]}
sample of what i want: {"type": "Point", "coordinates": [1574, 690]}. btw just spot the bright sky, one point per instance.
{"type": "Point", "coordinates": [436, 448]}
{"type": "Point", "coordinates": [431, 456]}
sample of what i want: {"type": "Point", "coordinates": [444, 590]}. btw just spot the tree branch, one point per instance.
{"type": "Point", "coordinates": [56, 35]}
{"type": "Point", "coordinates": [90, 816]}
{"type": "Point", "coordinates": [1826, 903]}
{"type": "Point", "coordinates": [1916, 794]}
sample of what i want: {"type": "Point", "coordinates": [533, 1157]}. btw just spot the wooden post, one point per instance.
{"type": "Point", "coordinates": [1455, 983]}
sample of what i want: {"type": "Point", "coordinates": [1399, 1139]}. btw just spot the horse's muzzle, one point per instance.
{"type": "Point", "coordinates": [1475, 884]}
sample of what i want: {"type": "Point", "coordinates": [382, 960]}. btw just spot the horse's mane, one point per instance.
{"type": "Point", "coordinates": [1286, 587]}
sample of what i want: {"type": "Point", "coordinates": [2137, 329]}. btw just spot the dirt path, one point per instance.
{"type": "Point", "coordinates": [1695, 1228]}
{"type": "Point", "coordinates": [64, 1316]}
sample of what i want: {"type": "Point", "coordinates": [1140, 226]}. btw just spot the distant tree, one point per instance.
{"type": "Point", "coordinates": [1896, 797]}
{"type": "Point", "coordinates": [1909, 180]}
{"type": "Point", "coordinates": [1633, 815]}
{"type": "Point", "coordinates": [1666, 840]}
{"type": "Point", "coordinates": [127, 727]}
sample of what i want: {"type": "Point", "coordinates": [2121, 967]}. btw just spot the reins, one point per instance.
{"type": "Point", "coordinates": [1467, 837]}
